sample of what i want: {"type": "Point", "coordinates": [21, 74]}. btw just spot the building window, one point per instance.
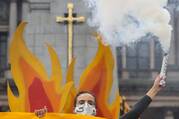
{"type": "Point", "coordinates": [3, 53]}
{"type": "Point", "coordinates": [4, 12]}
{"type": "Point", "coordinates": [138, 61]}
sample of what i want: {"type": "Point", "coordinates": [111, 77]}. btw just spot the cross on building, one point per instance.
{"type": "Point", "coordinates": [70, 19]}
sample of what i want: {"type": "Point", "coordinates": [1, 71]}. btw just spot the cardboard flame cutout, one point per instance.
{"type": "Point", "coordinates": [37, 90]}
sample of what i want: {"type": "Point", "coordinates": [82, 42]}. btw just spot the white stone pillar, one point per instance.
{"type": "Point", "coordinates": [176, 28]}
{"type": "Point", "coordinates": [172, 58]}
{"type": "Point", "coordinates": [152, 54]}
{"type": "Point", "coordinates": [152, 57]}
{"type": "Point", "coordinates": [124, 60]}
{"type": "Point", "coordinates": [25, 10]}
{"type": "Point", "coordinates": [169, 115]}
{"type": "Point", "coordinates": [12, 28]}
{"type": "Point", "coordinates": [115, 87]}
{"type": "Point", "coordinates": [125, 73]}
{"type": "Point", "coordinates": [12, 17]}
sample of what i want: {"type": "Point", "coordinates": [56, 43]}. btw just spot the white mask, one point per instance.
{"type": "Point", "coordinates": [85, 109]}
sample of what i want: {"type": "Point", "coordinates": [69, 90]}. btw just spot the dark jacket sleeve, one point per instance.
{"type": "Point", "coordinates": [138, 108]}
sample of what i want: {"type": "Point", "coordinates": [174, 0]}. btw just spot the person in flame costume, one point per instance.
{"type": "Point", "coordinates": [85, 102]}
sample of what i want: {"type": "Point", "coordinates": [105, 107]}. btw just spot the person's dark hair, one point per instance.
{"type": "Point", "coordinates": [83, 92]}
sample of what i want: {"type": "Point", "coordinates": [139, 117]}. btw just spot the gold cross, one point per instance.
{"type": "Point", "coordinates": [70, 20]}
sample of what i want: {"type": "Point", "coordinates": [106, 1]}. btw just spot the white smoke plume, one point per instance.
{"type": "Point", "coordinates": [126, 21]}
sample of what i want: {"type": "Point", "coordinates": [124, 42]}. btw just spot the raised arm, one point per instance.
{"type": "Point", "coordinates": [142, 104]}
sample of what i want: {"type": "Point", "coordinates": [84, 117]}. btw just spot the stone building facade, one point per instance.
{"type": "Point", "coordinates": [139, 64]}
{"type": "Point", "coordinates": [134, 69]}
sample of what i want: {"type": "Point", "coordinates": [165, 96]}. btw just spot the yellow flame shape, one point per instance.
{"type": "Point", "coordinates": [34, 84]}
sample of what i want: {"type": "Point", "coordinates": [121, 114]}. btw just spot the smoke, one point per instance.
{"type": "Point", "coordinates": [125, 21]}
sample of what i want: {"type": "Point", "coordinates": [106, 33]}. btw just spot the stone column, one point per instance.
{"type": "Point", "coordinates": [12, 17]}
{"type": "Point", "coordinates": [115, 87]}
{"type": "Point", "coordinates": [152, 57]}
{"type": "Point", "coordinates": [152, 54]}
{"type": "Point", "coordinates": [124, 60]}
{"type": "Point", "coordinates": [176, 29]}
{"type": "Point", "coordinates": [169, 115]}
{"type": "Point", "coordinates": [125, 73]}
{"type": "Point", "coordinates": [172, 59]}
{"type": "Point", "coordinates": [12, 28]}
{"type": "Point", "coordinates": [25, 10]}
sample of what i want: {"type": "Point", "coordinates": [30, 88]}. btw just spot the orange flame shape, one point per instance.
{"type": "Point", "coordinates": [37, 90]}
{"type": "Point", "coordinates": [98, 78]}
